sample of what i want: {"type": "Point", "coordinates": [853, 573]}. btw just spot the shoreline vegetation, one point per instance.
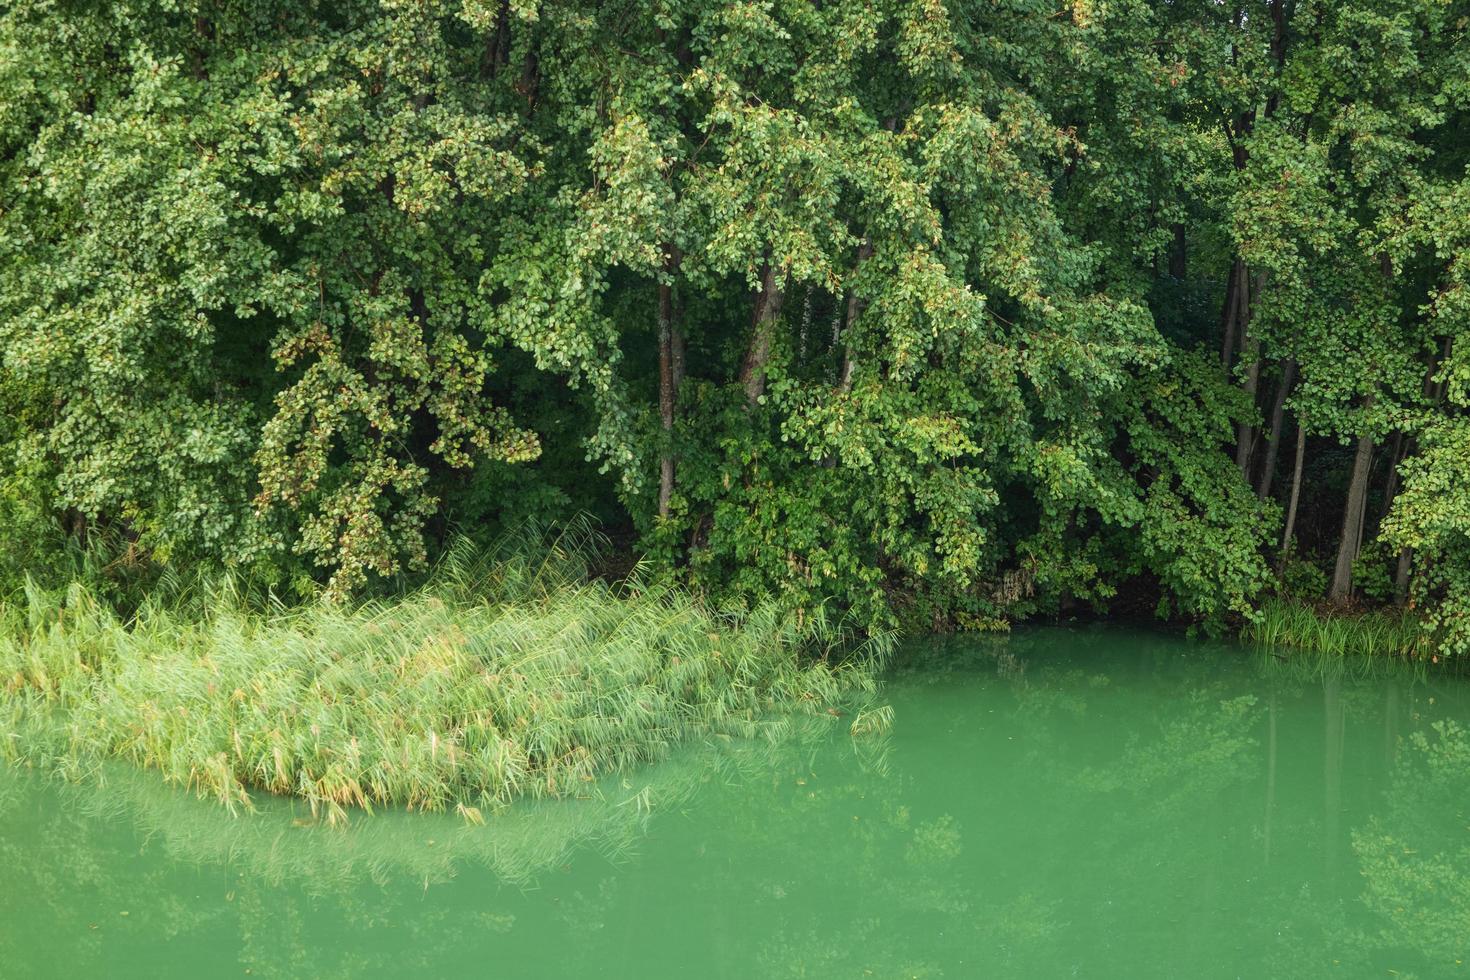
{"type": "Point", "coordinates": [845, 319]}
{"type": "Point", "coordinates": [515, 675]}
{"type": "Point", "coordinates": [1336, 632]}
{"type": "Point", "coordinates": [521, 670]}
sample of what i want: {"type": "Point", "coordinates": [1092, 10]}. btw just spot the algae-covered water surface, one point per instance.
{"type": "Point", "coordinates": [1091, 803]}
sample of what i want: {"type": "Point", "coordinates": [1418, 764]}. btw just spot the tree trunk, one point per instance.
{"type": "Point", "coordinates": [1296, 493]}
{"type": "Point", "coordinates": [204, 32]}
{"type": "Point", "coordinates": [1401, 576]}
{"type": "Point", "coordinates": [1178, 254]}
{"type": "Point", "coordinates": [1404, 447]}
{"type": "Point", "coordinates": [1245, 433]}
{"type": "Point", "coordinates": [835, 362]}
{"type": "Point", "coordinates": [1351, 538]}
{"type": "Point", "coordinates": [1278, 416]}
{"type": "Point", "coordinates": [497, 43]}
{"type": "Point", "coordinates": [1439, 389]}
{"type": "Point", "coordinates": [1398, 449]}
{"type": "Point", "coordinates": [530, 84]}
{"type": "Point", "coordinates": [1228, 320]}
{"type": "Point", "coordinates": [804, 335]}
{"type": "Point", "coordinates": [766, 312]}
{"type": "Point", "coordinates": [854, 308]}
{"type": "Point", "coordinates": [666, 394]}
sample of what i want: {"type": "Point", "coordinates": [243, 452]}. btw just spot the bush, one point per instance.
{"type": "Point", "coordinates": [1302, 580]}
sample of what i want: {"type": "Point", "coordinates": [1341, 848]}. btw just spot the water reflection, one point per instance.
{"type": "Point", "coordinates": [1049, 804]}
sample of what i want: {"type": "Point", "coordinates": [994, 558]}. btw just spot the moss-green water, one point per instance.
{"type": "Point", "coordinates": [1054, 803]}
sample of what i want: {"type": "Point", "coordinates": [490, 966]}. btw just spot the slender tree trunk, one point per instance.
{"type": "Point", "coordinates": [1245, 432]}
{"type": "Point", "coordinates": [842, 331]}
{"type": "Point", "coordinates": [854, 309]}
{"type": "Point", "coordinates": [666, 394]}
{"type": "Point", "coordinates": [1403, 447]}
{"type": "Point", "coordinates": [1296, 492]}
{"type": "Point", "coordinates": [204, 32]}
{"type": "Point", "coordinates": [1245, 438]}
{"type": "Point", "coordinates": [804, 335]}
{"type": "Point", "coordinates": [1351, 538]}
{"type": "Point", "coordinates": [529, 85]}
{"type": "Point", "coordinates": [1232, 313]}
{"type": "Point", "coordinates": [1401, 576]}
{"type": "Point", "coordinates": [1278, 416]}
{"type": "Point", "coordinates": [1444, 356]}
{"type": "Point", "coordinates": [1179, 254]}
{"type": "Point", "coordinates": [766, 312]}
{"type": "Point", "coordinates": [1397, 450]}
{"type": "Point", "coordinates": [836, 362]}
{"type": "Point", "coordinates": [77, 525]}
{"type": "Point", "coordinates": [497, 44]}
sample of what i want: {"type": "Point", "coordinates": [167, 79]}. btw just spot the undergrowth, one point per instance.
{"type": "Point", "coordinates": [506, 675]}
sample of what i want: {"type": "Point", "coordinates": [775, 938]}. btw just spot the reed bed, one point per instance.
{"type": "Point", "coordinates": [1281, 623]}
{"type": "Point", "coordinates": [502, 678]}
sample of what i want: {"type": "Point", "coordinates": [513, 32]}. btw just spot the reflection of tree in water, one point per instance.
{"type": "Point", "coordinates": [285, 872]}
{"type": "Point", "coordinates": [1414, 854]}
{"type": "Point", "coordinates": [1045, 809]}
{"type": "Point", "coordinates": [1273, 758]}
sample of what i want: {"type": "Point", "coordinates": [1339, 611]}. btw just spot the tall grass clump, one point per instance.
{"type": "Point", "coordinates": [514, 674]}
{"type": "Point", "coordinates": [1380, 633]}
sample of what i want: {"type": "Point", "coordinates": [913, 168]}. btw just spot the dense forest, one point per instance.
{"type": "Point", "coordinates": [948, 312]}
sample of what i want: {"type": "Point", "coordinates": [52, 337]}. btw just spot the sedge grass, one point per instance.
{"type": "Point", "coordinates": [1375, 634]}
{"type": "Point", "coordinates": [502, 678]}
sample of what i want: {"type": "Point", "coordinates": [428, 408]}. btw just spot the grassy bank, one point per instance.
{"type": "Point", "coordinates": [510, 677]}
{"type": "Point", "coordinates": [1377, 633]}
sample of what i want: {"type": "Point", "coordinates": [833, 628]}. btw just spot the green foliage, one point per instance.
{"type": "Point", "coordinates": [909, 305]}
{"type": "Point", "coordinates": [1433, 517]}
{"type": "Point", "coordinates": [32, 537]}
{"type": "Point", "coordinates": [1301, 581]}
{"type": "Point", "coordinates": [1182, 514]}
{"type": "Point", "coordinates": [1373, 573]}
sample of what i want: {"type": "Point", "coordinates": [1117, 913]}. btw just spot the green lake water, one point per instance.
{"type": "Point", "coordinates": [1058, 803]}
